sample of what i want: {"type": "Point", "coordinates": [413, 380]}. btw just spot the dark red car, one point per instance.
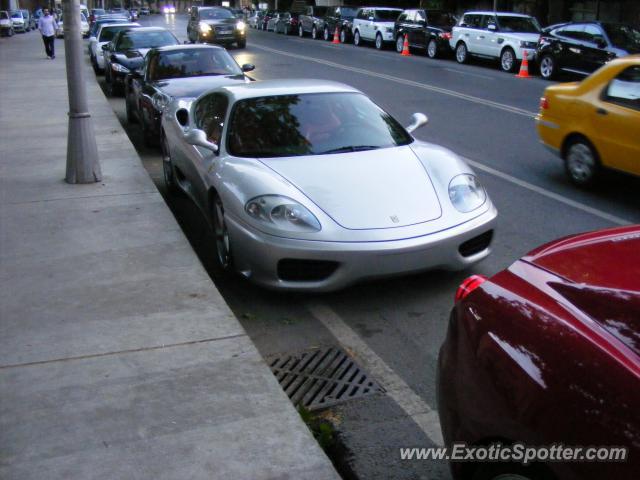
{"type": "Point", "coordinates": [548, 351]}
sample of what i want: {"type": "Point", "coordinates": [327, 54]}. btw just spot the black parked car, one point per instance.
{"type": "Point", "coordinates": [127, 50]}
{"type": "Point", "coordinates": [176, 71]}
{"type": "Point", "coordinates": [427, 29]}
{"type": "Point", "coordinates": [341, 17]}
{"type": "Point", "coordinates": [583, 47]}
{"type": "Point", "coordinates": [216, 25]}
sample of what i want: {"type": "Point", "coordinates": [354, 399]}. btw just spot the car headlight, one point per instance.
{"type": "Point", "coordinates": [119, 68]}
{"type": "Point", "coordinates": [282, 213]}
{"type": "Point", "coordinates": [204, 27]}
{"type": "Point", "coordinates": [466, 193]}
{"type": "Point", "coordinates": [240, 25]}
{"type": "Point", "coordinates": [160, 101]}
{"type": "Point", "coordinates": [524, 44]}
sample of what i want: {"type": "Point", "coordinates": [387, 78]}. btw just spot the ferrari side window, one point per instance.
{"type": "Point", "coordinates": [210, 114]}
{"type": "Point", "coordinates": [624, 90]}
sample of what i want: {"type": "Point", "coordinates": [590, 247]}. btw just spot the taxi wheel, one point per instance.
{"type": "Point", "coordinates": [581, 161]}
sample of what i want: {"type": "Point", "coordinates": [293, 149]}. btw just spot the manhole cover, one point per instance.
{"type": "Point", "coordinates": [322, 377]}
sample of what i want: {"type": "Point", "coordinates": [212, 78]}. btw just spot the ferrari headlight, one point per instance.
{"type": "Point", "coordinates": [240, 25]}
{"type": "Point", "coordinates": [282, 213]}
{"type": "Point", "coordinates": [204, 27]}
{"type": "Point", "coordinates": [160, 101]}
{"type": "Point", "coordinates": [466, 193]}
{"type": "Point", "coordinates": [119, 68]}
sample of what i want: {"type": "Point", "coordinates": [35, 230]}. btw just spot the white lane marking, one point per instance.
{"type": "Point", "coordinates": [469, 73]}
{"type": "Point", "coordinates": [415, 407]}
{"type": "Point", "coordinates": [549, 194]}
{"type": "Point", "coordinates": [411, 83]}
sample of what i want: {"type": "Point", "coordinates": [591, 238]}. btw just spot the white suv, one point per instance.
{"type": "Point", "coordinates": [503, 36]}
{"type": "Point", "coordinates": [375, 24]}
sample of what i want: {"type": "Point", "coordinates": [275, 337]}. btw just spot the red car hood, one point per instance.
{"type": "Point", "coordinates": [603, 273]}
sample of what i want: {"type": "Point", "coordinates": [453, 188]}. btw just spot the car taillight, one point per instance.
{"type": "Point", "coordinates": [445, 35]}
{"type": "Point", "coordinates": [469, 285]}
{"type": "Point", "coordinates": [544, 103]}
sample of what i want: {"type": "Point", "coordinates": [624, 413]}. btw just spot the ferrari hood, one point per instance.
{"type": "Point", "coordinates": [372, 189]}
{"type": "Point", "coordinates": [194, 86]}
{"type": "Point", "coordinates": [603, 273]}
{"type": "Point", "coordinates": [606, 259]}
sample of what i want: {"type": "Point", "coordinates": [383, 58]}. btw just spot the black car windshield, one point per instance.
{"type": "Point", "coordinates": [215, 14]}
{"type": "Point", "coordinates": [623, 36]}
{"type": "Point", "coordinates": [311, 124]}
{"type": "Point", "coordinates": [518, 24]}
{"type": "Point", "coordinates": [16, 14]}
{"type": "Point", "coordinates": [4, 16]}
{"type": "Point", "coordinates": [192, 63]}
{"type": "Point", "coordinates": [388, 15]}
{"type": "Point", "coordinates": [441, 19]}
{"type": "Point", "coordinates": [132, 40]}
{"type": "Point", "coordinates": [107, 33]}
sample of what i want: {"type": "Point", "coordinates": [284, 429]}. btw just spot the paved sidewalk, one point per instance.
{"type": "Point", "coordinates": [118, 356]}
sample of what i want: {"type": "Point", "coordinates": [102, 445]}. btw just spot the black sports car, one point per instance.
{"type": "Point", "coordinates": [127, 50]}
{"type": "Point", "coordinates": [179, 71]}
{"type": "Point", "coordinates": [583, 47]}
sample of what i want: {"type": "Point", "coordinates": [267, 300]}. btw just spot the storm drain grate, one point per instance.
{"type": "Point", "coordinates": [322, 377]}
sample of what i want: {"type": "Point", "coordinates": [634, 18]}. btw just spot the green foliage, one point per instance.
{"type": "Point", "coordinates": [322, 430]}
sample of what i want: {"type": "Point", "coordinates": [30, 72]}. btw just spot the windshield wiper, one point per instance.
{"type": "Point", "coordinates": [350, 148]}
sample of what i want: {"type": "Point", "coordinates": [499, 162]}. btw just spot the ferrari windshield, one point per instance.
{"type": "Point", "coordinates": [623, 36]}
{"type": "Point", "coordinates": [192, 63]}
{"type": "Point", "coordinates": [518, 24]}
{"type": "Point", "coordinates": [311, 124]}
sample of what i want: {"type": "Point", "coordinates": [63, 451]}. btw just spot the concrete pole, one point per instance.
{"type": "Point", "coordinates": [82, 151]}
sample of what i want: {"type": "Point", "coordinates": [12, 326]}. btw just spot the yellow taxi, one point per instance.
{"type": "Point", "coordinates": [595, 123]}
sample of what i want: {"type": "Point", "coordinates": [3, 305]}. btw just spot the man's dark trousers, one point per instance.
{"type": "Point", "coordinates": [48, 45]}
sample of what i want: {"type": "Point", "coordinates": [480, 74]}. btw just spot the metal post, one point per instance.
{"type": "Point", "coordinates": [82, 151]}
{"type": "Point", "coordinates": [495, 5]}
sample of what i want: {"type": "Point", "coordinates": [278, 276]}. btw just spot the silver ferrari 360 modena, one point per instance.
{"type": "Point", "coordinates": [309, 185]}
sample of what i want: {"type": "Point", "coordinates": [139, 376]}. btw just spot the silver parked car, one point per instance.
{"type": "Point", "coordinates": [309, 185]}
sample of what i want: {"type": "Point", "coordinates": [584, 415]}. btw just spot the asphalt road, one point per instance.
{"type": "Point", "coordinates": [394, 327]}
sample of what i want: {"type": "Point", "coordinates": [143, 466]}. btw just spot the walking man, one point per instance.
{"type": "Point", "coordinates": [48, 26]}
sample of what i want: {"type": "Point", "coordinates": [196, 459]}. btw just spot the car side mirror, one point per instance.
{"type": "Point", "coordinates": [371, 19]}
{"type": "Point", "coordinates": [417, 121]}
{"type": "Point", "coordinates": [491, 27]}
{"type": "Point", "coordinates": [105, 47]}
{"type": "Point", "coordinates": [198, 138]}
{"type": "Point", "coordinates": [247, 67]}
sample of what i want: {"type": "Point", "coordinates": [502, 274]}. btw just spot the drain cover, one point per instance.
{"type": "Point", "coordinates": [322, 377]}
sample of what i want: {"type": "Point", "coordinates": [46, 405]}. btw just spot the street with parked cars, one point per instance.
{"type": "Point", "coordinates": [453, 198]}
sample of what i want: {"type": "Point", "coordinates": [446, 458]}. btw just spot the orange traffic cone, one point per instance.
{"type": "Point", "coordinates": [336, 36]}
{"type": "Point", "coordinates": [405, 47]}
{"type": "Point", "coordinates": [524, 66]}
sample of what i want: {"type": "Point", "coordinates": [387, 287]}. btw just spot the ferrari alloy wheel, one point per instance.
{"type": "Point", "coordinates": [223, 242]}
